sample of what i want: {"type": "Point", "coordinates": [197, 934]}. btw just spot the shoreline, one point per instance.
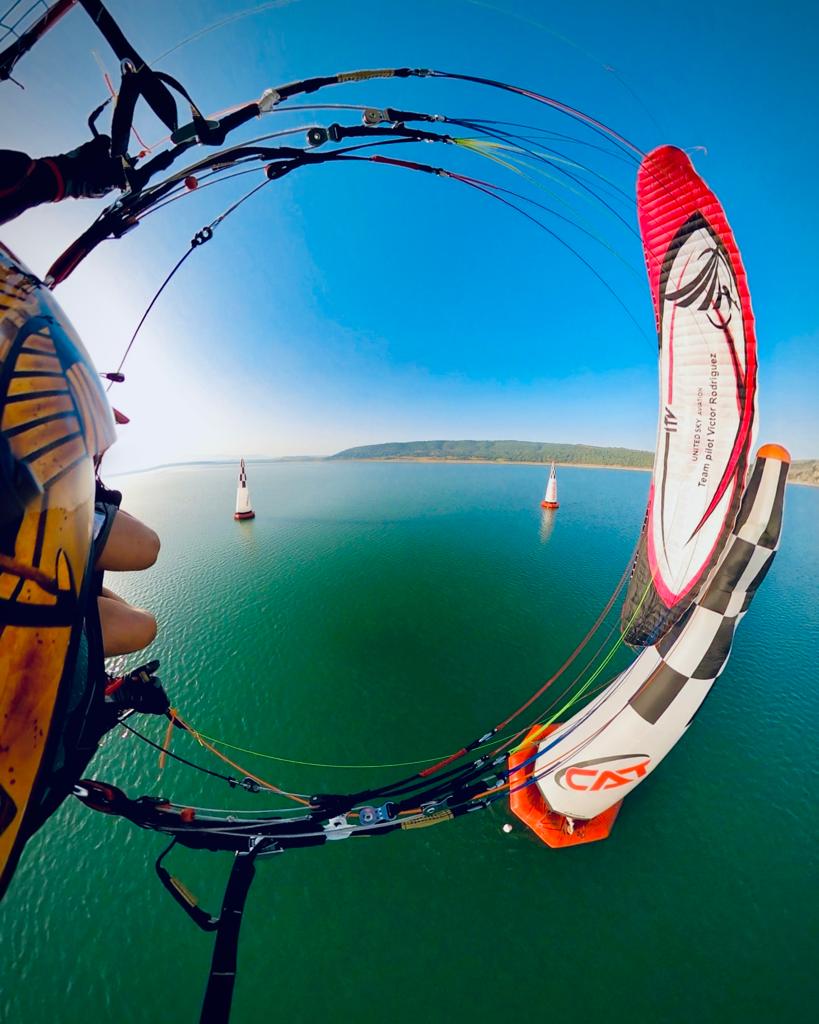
{"type": "Point", "coordinates": [522, 462]}
{"type": "Point", "coordinates": [205, 464]}
{"type": "Point", "coordinates": [496, 462]}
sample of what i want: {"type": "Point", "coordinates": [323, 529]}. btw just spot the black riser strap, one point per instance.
{"type": "Point", "coordinates": [219, 993]}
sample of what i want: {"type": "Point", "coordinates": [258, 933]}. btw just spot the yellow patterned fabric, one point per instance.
{"type": "Point", "coordinates": [54, 418]}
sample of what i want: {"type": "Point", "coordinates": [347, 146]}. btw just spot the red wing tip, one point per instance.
{"type": "Point", "coordinates": [774, 451]}
{"type": "Point", "coordinates": [667, 157]}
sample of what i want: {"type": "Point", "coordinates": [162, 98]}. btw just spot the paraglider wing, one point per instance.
{"type": "Point", "coordinates": [590, 762]}
{"type": "Point", "coordinates": [707, 421]}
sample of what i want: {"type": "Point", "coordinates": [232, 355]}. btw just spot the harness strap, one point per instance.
{"type": "Point", "coordinates": [222, 978]}
{"type": "Point", "coordinates": [138, 80]}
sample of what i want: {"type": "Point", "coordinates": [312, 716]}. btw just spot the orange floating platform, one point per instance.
{"type": "Point", "coordinates": [528, 804]}
{"type": "Point", "coordinates": [244, 515]}
{"type": "Point", "coordinates": [549, 504]}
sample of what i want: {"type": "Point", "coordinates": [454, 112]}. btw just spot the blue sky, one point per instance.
{"type": "Point", "coordinates": [356, 304]}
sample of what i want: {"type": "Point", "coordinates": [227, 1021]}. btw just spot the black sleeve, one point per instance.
{"type": "Point", "coordinates": [25, 183]}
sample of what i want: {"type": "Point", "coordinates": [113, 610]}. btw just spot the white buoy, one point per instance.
{"type": "Point", "coordinates": [243, 506]}
{"type": "Point", "coordinates": [507, 828]}
{"type": "Point", "coordinates": [550, 498]}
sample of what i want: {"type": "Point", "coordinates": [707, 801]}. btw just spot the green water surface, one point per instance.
{"type": "Point", "coordinates": [379, 613]}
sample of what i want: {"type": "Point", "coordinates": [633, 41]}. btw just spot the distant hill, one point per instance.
{"type": "Point", "coordinates": [805, 471]}
{"type": "Point", "coordinates": [503, 451]}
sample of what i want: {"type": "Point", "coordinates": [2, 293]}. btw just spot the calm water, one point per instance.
{"type": "Point", "coordinates": [382, 613]}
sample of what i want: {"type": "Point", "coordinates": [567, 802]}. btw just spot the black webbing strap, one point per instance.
{"type": "Point", "coordinates": [145, 83]}
{"type": "Point", "coordinates": [138, 79]}
{"type": "Point", "coordinates": [219, 993]}
{"type": "Point", "coordinates": [111, 31]}
{"type": "Point", "coordinates": [186, 900]}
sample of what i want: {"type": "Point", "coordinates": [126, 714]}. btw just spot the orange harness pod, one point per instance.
{"type": "Point", "coordinates": [528, 804]}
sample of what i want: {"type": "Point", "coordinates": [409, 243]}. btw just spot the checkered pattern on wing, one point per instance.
{"type": "Point", "coordinates": [698, 646]}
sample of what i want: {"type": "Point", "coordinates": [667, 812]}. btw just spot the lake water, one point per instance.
{"type": "Point", "coordinates": [374, 614]}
